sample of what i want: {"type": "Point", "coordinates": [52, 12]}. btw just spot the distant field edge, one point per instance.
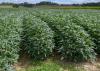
{"type": "Point", "coordinates": [57, 7]}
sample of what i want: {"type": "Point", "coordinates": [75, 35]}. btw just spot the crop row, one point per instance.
{"type": "Point", "coordinates": [92, 25]}
{"type": "Point", "coordinates": [37, 38]}
{"type": "Point", "coordinates": [10, 30]}
{"type": "Point", "coordinates": [71, 40]}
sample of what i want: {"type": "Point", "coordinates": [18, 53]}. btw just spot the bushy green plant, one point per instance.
{"type": "Point", "coordinates": [10, 30]}
{"type": "Point", "coordinates": [92, 26]}
{"type": "Point", "coordinates": [75, 43]}
{"type": "Point", "coordinates": [38, 38]}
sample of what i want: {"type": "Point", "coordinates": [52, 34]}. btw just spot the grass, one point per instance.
{"type": "Point", "coordinates": [51, 65]}
{"type": "Point", "coordinates": [6, 6]}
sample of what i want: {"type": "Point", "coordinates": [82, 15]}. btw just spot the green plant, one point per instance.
{"type": "Point", "coordinates": [10, 30]}
{"type": "Point", "coordinates": [92, 26]}
{"type": "Point", "coordinates": [75, 42]}
{"type": "Point", "coordinates": [38, 38]}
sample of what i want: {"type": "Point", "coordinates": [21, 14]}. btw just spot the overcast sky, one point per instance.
{"type": "Point", "coordinates": [58, 1]}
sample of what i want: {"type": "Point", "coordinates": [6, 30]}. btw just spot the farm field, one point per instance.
{"type": "Point", "coordinates": [69, 7]}
{"type": "Point", "coordinates": [6, 6]}
{"type": "Point", "coordinates": [58, 7]}
{"type": "Point", "coordinates": [37, 39]}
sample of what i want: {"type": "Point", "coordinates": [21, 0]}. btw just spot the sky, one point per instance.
{"type": "Point", "coordinates": [58, 1]}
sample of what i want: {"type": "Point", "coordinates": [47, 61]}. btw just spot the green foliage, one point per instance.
{"type": "Point", "coordinates": [75, 43]}
{"type": "Point", "coordinates": [38, 38]}
{"type": "Point", "coordinates": [74, 34]}
{"type": "Point", "coordinates": [92, 26]}
{"type": "Point", "coordinates": [8, 67]}
{"type": "Point", "coordinates": [10, 30]}
{"type": "Point", "coordinates": [15, 5]}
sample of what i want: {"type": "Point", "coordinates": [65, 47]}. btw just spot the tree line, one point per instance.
{"type": "Point", "coordinates": [26, 4]}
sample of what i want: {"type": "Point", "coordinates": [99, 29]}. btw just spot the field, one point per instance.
{"type": "Point", "coordinates": [69, 7]}
{"type": "Point", "coordinates": [37, 39]}
{"type": "Point", "coordinates": [6, 6]}
{"type": "Point", "coordinates": [58, 7]}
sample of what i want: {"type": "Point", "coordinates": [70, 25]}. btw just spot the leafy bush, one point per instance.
{"type": "Point", "coordinates": [10, 30]}
{"type": "Point", "coordinates": [38, 38]}
{"type": "Point", "coordinates": [15, 5]}
{"type": "Point", "coordinates": [75, 43]}
{"type": "Point", "coordinates": [92, 25]}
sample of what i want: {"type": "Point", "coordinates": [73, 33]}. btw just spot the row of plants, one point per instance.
{"type": "Point", "coordinates": [71, 40]}
{"type": "Point", "coordinates": [37, 38]}
{"type": "Point", "coordinates": [92, 25]}
{"type": "Point", "coordinates": [11, 24]}
{"type": "Point", "coordinates": [28, 31]}
{"type": "Point", "coordinates": [10, 31]}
